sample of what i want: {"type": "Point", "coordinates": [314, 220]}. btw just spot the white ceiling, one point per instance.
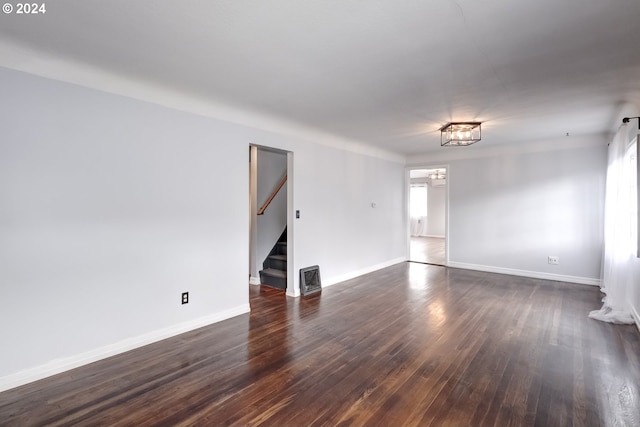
{"type": "Point", "coordinates": [384, 72]}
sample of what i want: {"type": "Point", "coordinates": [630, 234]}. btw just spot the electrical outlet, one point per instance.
{"type": "Point", "coordinates": [554, 259]}
{"type": "Point", "coordinates": [185, 297]}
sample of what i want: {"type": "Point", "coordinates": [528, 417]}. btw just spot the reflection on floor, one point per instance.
{"type": "Point", "coordinates": [427, 249]}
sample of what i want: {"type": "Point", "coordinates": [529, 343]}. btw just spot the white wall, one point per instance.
{"type": "Point", "coordinates": [111, 207]}
{"type": "Point", "coordinates": [509, 208]}
{"type": "Point", "coordinates": [339, 226]}
{"type": "Point", "coordinates": [436, 204]}
{"type": "Point", "coordinates": [272, 166]}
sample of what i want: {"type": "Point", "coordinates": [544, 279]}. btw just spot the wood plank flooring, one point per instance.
{"type": "Point", "coordinates": [409, 345]}
{"type": "Point", "coordinates": [429, 250]}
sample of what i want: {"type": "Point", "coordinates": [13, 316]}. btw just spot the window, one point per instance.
{"type": "Point", "coordinates": [631, 160]}
{"type": "Point", "coordinates": [418, 201]}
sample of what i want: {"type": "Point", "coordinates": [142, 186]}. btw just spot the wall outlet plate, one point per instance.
{"type": "Point", "coordinates": [554, 260]}
{"type": "Point", "coordinates": [185, 297]}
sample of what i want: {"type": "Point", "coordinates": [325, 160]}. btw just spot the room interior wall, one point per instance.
{"type": "Point", "coordinates": [436, 199]}
{"type": "Point", "coordinates": [112, 207]}
{"type": "Point", "coordinates": [510, 208]}
{"type": "Point", "coordinates": [357, 213]}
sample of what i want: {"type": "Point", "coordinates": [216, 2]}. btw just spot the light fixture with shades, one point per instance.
{"type": "Point", "coordinates": [438, 174]}
{"type": "Point", "coordinates": [460, 133]}
{"type": "Point", "coordinates": [437, 178]}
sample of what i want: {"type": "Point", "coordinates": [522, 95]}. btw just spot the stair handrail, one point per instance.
{"type": "Point", "coordinates": [272, 196]}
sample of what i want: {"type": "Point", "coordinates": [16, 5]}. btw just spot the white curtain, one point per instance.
{"type": "Point", "coordinates": [418, 225]}
{"type": "Point", "coordinates": [619, 246]}
{"type": "Point", "coordinates": [418, 209]}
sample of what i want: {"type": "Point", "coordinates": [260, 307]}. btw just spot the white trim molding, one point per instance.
{"type": "Point", "coordinates": [525, 273]}
{"type": "Point", "coordinates": [342, 277]}
{"type": "Point", "coordinates": [65, 364]}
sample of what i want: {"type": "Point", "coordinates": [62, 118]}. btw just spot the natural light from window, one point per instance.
{"type": "Point", "coordinates": [632, 195]}
{"type": "Point", "coordinates": [418, 201]}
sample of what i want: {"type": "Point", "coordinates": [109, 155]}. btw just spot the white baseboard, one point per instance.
{"type": "Point", "coordinates": [636, 317]}
{"type": "Point", "coordinates": [428, 235]}
{"type": "Point", "coordinates": [341, 278]}
{"type": "Point", "coordinates": [61, 365]}
{"type": "Point", "coordinates": [525, 273]}
{"type": "Point", "coordinates": [254, 280]}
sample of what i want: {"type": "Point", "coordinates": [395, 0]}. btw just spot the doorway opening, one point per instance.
{"type": "Point", "coordinates": [270, 225]}
{"type": "Point", "coordinates": [428, 207]}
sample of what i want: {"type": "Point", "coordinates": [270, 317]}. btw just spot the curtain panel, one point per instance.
{"type": "Point", "coordinates": [619, 248]}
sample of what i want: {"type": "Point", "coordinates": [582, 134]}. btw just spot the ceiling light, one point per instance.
{"type": "Point", "coordinates": [437, 175]}
{"type": "Point", "coordinates": [460, 133]}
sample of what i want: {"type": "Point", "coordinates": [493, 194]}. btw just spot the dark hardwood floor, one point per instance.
{"type": "Point", "coordinates": [411, 344]}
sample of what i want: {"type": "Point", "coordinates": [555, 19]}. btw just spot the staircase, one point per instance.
{"type": "Point", "coordinates": [274, 272]}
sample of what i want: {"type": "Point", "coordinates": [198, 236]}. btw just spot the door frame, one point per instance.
{"type": "Point", "coordinates": [254, 278]}
{"type": "Point", "coordinates": [447, 233]}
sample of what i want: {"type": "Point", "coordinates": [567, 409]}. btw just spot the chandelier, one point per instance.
{"type": "Point", "coordinates": [460, 133]}
{"type": "Point", "coordinates": [438, 175]}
